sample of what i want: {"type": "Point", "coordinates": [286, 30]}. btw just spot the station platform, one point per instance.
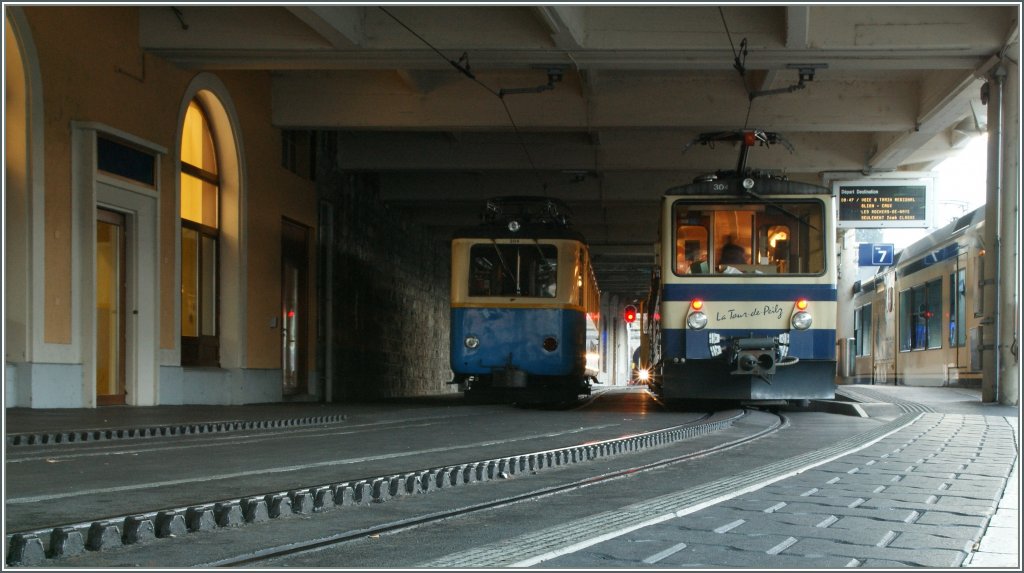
{"type": "Point", "coordinates": [999, 546]}
{"type": "Point", "coordinates": [23, 426]}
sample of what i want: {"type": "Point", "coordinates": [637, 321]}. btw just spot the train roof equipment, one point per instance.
{"type": "Point", "coordinates": [742, 180]}
{"type": "Point", "coordinates": [524, 216]}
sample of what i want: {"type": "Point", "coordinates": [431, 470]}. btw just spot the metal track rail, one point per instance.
{"type": "Point", "coordinates": [538, 546]}
{"type": "Point", "coordinates": [37, 546]}
{"type": "Point", "coordinates": [270, 553]}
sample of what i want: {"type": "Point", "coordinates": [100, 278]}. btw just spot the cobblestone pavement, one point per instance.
{"type": "Point", "coordinates": [922, 497]}
{"type": "Point", "coordinates": [936, 491]}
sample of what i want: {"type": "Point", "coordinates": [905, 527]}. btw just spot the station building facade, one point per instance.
{"type": "Point", "coordinates": [159, 239]}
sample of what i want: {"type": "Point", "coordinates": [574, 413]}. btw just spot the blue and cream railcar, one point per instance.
{"type": "Point", "coordinates": [524, 305]}
{"type": "Point", "coordinates": [747, 290]}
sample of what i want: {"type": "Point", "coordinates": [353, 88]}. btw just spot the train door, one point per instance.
{"type": "Point", "coordinates": [110, 307]}
{"type": "Point", "coordinates": [294, 306]}
{"type": "Point", "coordinates": [957, 309]}
{"type": "Point", "coordinates": [883, 339]}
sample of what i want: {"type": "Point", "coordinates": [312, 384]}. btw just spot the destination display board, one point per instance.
{"type": "Point", "coordinates": [877, 203]}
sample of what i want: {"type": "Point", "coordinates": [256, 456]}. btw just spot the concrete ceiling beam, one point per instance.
{"type": "Point", "coordinates": [376, 100]}
{"type": "Point", "coordinates": [650, 60]}
{"type": "Point", "coordinates": [341, 26]}
{"type": "Point", "coordinates": [798, 27]}
{"type": "Point", "coordinates": [571, 155]}
{"type": "Point", "coordinates": [565, 23]}
{"type": "Point", "coordinates": [943, 109]}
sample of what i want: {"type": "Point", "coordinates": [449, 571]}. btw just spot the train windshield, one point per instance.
{"type": "Point", "coordinates": [521, 269]}
{"type": "Point", "coordinates": [777, 238]}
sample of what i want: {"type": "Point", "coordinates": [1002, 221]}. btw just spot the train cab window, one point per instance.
{"type": "Point", "coordinates": [733, 243]}
{"type": "Point", "coordinates": [784, 237]}
{"type": "Point", "coordinates": [517, 270]}
{"type": "Point", "coordinates": [773, 241]}
{"type": "Point", "coordinates": [692, 250]}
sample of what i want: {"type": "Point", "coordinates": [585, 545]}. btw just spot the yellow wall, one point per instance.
{"type": "Point", "coordinates": [93, 71]}
{"type": "Point", "coordinates": [16, 315]}
{"type": "Point", "coordinates": [271, 195]}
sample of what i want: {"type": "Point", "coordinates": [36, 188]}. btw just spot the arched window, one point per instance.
{"type": "Point", "coordinates": [200, 234]}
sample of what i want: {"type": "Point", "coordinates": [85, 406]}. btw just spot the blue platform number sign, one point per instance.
{"type": "Point", "coordinates": [876, 254]}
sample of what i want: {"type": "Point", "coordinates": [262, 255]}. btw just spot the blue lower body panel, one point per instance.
{"type": "Point", "coordinates": [705, 364]}
{"type": "Point", "coordinates": [713, 380]}
{"type": "Point", "coordinates": [813, 344]}
{"type": "Point", "coordinates": [511, 350]}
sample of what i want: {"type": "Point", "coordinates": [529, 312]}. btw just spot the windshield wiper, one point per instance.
{"type": "Point", "coordinates": [779, 207]}
{"type": "Point", "coordinates": [505, 265]}
{"type": "Point", "coordinates": [543, 259]}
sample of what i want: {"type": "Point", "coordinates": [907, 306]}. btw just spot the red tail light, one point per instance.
{"type": "Point", "coordinates": [696, 304]}
{"type": "Point", "coordinates": [801, 304]}
{"type": "Point", "coordinates": [629, 315]}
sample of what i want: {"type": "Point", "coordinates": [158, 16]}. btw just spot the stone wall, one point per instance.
{"type": "Point", "coordinates": [389, 290]}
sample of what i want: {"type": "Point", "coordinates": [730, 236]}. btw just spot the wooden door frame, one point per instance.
{"type": "Point", "coordinates": [112, 217]}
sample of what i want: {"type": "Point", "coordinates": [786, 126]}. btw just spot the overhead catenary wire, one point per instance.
{"type": "Point", "coordinates": [739, 65]}
{"type": "Point", "coordinates": [466, 71]}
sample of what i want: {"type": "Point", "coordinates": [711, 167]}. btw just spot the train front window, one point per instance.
{"type": "Point", "coordinates": [518, 270]}
{"type": "Point", "coordinates": [783, 237]}
{"type": "Point", "coordinates": [692, 250]}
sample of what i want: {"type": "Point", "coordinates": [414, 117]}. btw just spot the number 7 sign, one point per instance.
{"type": "Point", "coordinates": [881, 255]}
{"type": "Point", "coordinates": [876, 254]}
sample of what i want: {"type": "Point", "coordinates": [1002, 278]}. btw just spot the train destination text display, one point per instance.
{"type": "Point", "coordinates": [882, 204]}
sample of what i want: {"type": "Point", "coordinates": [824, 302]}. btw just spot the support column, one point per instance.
{"type": "Point", "coordinates": [1000, 382]}
{"type": "Point", "coordinates": [1008, 315]}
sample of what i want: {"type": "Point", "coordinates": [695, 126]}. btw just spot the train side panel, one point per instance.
{"type": "Point", "coordinates": [934, 312]}
{"type": "Point", "coordinates": [923, 325]}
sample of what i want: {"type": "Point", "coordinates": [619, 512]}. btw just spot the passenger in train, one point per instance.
{"type": "Point", "coordinates": [732, 254]}
{"type": "Point", "coordinates": [700, 265]}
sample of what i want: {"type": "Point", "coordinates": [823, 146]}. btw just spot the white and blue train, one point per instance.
{"type": "Point", "coordinates": [744, 302]}
{"type": "Point", "coordinates": [524, 305]}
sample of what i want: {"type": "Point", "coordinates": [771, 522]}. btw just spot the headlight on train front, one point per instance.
{"type": "Point", "coordinates": [801, 320]}
{"type": "Point", "coordinates": [472, 342]}
{"type": "Point", "coordinates": [697, 320]}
